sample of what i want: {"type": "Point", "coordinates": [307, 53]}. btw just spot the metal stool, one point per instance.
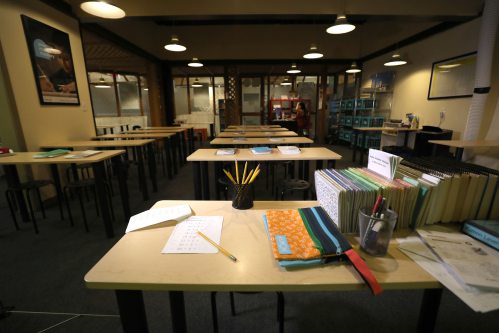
{"type": "Point", "coordinates": [290, 185]}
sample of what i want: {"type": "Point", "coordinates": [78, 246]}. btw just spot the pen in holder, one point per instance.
{"type": "Point", "coordinates": [243, 192]}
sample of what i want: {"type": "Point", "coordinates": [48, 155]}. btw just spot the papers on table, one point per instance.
{"type": "Point", "coordinates": [261, 150]}
{"type": "Point", "coordinates": [83, 154]}
{"type": "Point", "coordinates": [276, 139]}
{"type": "Point", "coordinates": [239, 139]}
{"type": "Point", "coordinates": [185, 237]}
{"type": "Point", "coordinates": [289, 150]}
{"type": "Point", "coordinates": [383, 163]}
{"type": "Point", "coordinates": [470, 261]}
{"type": "Point", "coordinates": [226, 151]}
{"type": "Point", "coordinates": [52, 153]}
{"type": "Point", "coordinates": [154, 216]}
{"type": "Point", "coordinates": [478, 299]}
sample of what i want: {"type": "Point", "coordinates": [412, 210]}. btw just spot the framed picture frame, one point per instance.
{"type": "Point", "coordinates": [453, 77]}
{"type": "Point", "coordinates": [52, 62]}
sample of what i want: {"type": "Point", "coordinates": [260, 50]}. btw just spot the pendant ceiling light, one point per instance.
{"type": "Point", "coordinates": [196, 83]}
{"type": "Point", "coordinates": [102, 9]}
{"type": "Point", "coordinates": [174, 45]}
{"type": "Point", "coordinates": [353, 68]}
{"type": "Point", "coordinates": [313, 53]}
{"type": "Point", "coordinates": [102, 84]}
{"type": "Point", "coordinates": [293, 69]}
{"type": "Point", "coordinates": [195, 63]}
{"type": "Point", "coordinates": [395, 60]}
{"type": "Point", "coordinates": [340, 26]}
{"type": "Point", "coordinates": [285, 82]}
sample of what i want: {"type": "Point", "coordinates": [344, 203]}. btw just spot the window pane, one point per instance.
{"type": "Point", "coordinates": [102, 93]}
{"type": "Point", "coordinates": [201, 97]}
{"type": "Point", "coordinates": [128, 93]}
{"type": "Point", "coordinates": [145, 99]}
{"type": "Point", "coordinates": [250, 94]}
{"type": "Point", "coordinates": [180, 94]}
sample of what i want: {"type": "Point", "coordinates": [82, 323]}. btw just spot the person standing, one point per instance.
{"type": "Point", "coordinates": [301, 119]}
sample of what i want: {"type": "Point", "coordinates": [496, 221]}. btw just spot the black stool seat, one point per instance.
{"type": "Point", "coordinates": [32, 184]}
{"type": "Point", "coordinates": [289, 185]}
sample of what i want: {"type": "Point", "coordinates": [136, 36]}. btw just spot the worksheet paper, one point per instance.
{"type": "Point", "coordinates": [157, 215]}
{"type": "Point", "coordinates": [478, 299]}
{"type": "Point", "coordinates": [185, 237]}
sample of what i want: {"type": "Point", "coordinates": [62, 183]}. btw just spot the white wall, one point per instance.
{"type": "Point", "coordinates": [412, 82]}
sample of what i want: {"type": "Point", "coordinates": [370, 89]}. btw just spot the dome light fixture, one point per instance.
{"type": "Point", "coordinates": [196, 83]}
{"type": "Point", "coordinates": [102, 84]}
{"type": "Point", "coordinates": [285, 82]}
{"type": "Point", "coordinates": [313, 53]}
{"type": "Point", "coordinates": [340, 26]}
{"type": "Point", "coordinates": [353, 68]}
{"type": "Point", "coordinates": [293, 69]}
{"type": "Point", "coordinates": [395, 60]}
{"type": "Point", "coordinates": [195, 63]}
{"type": "Point", "coordinates": [174, 45]}
{"type": "Point", "coordinates": [102, 9]}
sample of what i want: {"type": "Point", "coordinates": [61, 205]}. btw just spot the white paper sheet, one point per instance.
{"type": "Point", "coordinates": [185, 237]}
{"type": "Point", "coordinates": [477, 299]}
{"type": "Point", "coordinates": [383, 163]}
{"type": "Point", "coordinates": [154, 216]}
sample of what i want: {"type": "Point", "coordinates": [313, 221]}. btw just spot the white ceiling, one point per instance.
{"type": "Point", "coordinates": [275, 29]}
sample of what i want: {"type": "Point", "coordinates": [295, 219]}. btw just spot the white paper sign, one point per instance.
{"type": "Point", "coordinates": [154, 216]}
{"type": "Point", "coordinates": [383, 163]}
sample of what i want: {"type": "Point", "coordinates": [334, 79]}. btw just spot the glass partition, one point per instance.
{"type": "Point", "coordinates": [103, 94]}
{"type": "Point", "coordinates": [128, 94]}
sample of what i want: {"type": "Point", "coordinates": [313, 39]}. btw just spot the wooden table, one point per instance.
{"type": "Point", "coordinates": [292, 140]}
{"type": "Point", "coordinates": [171, 150]}
{"type": "Point", "coordinates": [461, 144]}
{"type": "Point", "coordinates": [173, 129]}
{"type": "Point", "coordinates": [22, 158]}
{"type": "Point", "coordinates": [253, 126]}
{"type": "Point", "coordinates": [365, 130]}
{"type": "Point", "coordinates": [257, 134]}
{"type": "Point", "coordinates": [256, 129]}
{"type": "Point", "coordinates": [135, 264]}
{"type": "Point", "coordinates": [201, 157]}
{"type": "Point", "coordinates": [111, 128]}
{"type": "Point", "coordinates": [137, 145]}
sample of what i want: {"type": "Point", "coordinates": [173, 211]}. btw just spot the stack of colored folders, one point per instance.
{"type": "Point", "coordinates": [307, 237]}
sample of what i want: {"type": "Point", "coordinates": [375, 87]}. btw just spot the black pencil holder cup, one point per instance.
{"type": "Point", "coordinates": [242, 197]}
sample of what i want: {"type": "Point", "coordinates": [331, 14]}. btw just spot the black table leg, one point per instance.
{"type": "Point", "coordinates": [191, 140]}
{"type": "Point", "coordinates": [177, 310]}
{"type": "Point", "coordinates": [132, 311]}
{"type": "Point", "coordinates": [306, 170]}
{"type": "Point", "coordinates": [58, 188]}
{"type": "Point", "coordinates": [434, 150]}
{"type": "Point", "coordinates": [13, 181]}
{"type": "Point", "coordinates": [168, 151]}
{"type": "Point", "coordinates": [331, 164]}
{"type": "Point", "coordinates": [182, 148]}
{"type": "Point", "coordinates": [151, 161]}
{"type": "Point", "coordinates": [318, 165]}
{"type": "Point", "coordinates": [142, 173]}
{"type": "Point", "coordinates": [197, 180]}
{"type": "Point", "coordinates": [429, 310]}
{"type": "Point", "coordinates": [122, 183]}
{"type": "Point", "coordinates": [459, 153]}
{"type": "Point", "coordinates": [354, 152]}
{"type": "Point", "coordinates": [174, 153]}
{"type": "Point", "coordinates": [218, 173]}
{"type": "Point", "coordinates": [362, 148]}
{"type": "Point", "coordinates": [100, 187]}
{"type": "Point", "coordinates": [206, 181]}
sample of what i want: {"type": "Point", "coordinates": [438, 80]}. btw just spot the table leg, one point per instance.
{"type": "Point", "coordinates": [306, 170]}
{"type": "Point", "coordinates": [100, 187]}
{"type": "Point", "coordinates": [132, 311]}
{"type": "Point", "coordinates": [191, 140]}
{"type": "Point", "coordinates": [197, 180]}
{"type": "Point", "coordinates": [318, 164]}
{"type": "Point", "coordinates": [354, 152]}
{"type": "Point", "coordinates": [406, 139]}
{"type": "Point", "coordinates": [151, 161]}
{"type": "Point", "coordinates": [459, 153]}
{"type": "Point", "coordinates": [182, 148]}
{"type": "Point", "coordinates": [122, 183]}
{"type": "Point", "coordinates": [362, 148]}
{"type": "Point", "coordinates": [434, 150]}
{"type": "Point", "coordinates": [206, 181]}
{"type": "Point", "coordinates": [12, 178]}
{"type": "Point", "coordinates": [218, 173]}
{"type": "Point", "coordinates": [168, 151]}
{"type": "Point", "coordinates": [142, 173]}
{"type": "Point", "coordinates": [177, 310]}
{"type": "Point", "coordinates": [331, 164]}
{"type": "Point", "coordinates": [429, 310]}
{"type": "Point", "coordinates": [58, 188]}
{"type": "Point", "coordinates": [174, 153]}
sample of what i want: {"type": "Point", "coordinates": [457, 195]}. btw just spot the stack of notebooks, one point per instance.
{"type": "Point", "coordinates": [424, 191]}
{"type": "Point", "coordinates": [261, 150]}
{"type": "Point", "coordinates": [226, 151]}
{"type": "Point", "coordinates": [289, 150]}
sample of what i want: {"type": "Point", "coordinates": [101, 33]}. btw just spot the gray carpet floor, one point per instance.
{"type": "Point", "coordinates": [42, 277]}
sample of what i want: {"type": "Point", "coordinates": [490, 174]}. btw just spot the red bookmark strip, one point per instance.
{"type": "Point", "coordinates": [364, 271]}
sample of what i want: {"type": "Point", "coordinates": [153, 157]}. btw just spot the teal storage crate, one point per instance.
{"type": "Point", "coordinates": [348, 120]}
{"type": "Point", "coordinates": [365, 121]}
{"type": "Point", "coordinates": [356, 121]}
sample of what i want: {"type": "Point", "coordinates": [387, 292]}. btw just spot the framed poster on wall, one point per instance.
{"type": "Point", "coordinates": [52, 62]}
{"type": "Point", "coordinates": [453, 77]}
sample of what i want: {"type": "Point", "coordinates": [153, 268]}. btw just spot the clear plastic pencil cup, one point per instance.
{"type": "Point", "coordinates": [376, 232]}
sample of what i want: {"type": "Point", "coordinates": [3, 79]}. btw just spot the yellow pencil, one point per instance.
{"type": "Point", "coordinates": [254, 176]}
{"type": "Point", "coordinates": [244, 172]}
{"type": "Point", "coordinates": [237, 172]}
{"type": "Point", "coordinates": [230, 176]}
{"type": "Point", "coordinates": [249, 177]}
{"type": "Point", "coordinates": [224, 251]}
